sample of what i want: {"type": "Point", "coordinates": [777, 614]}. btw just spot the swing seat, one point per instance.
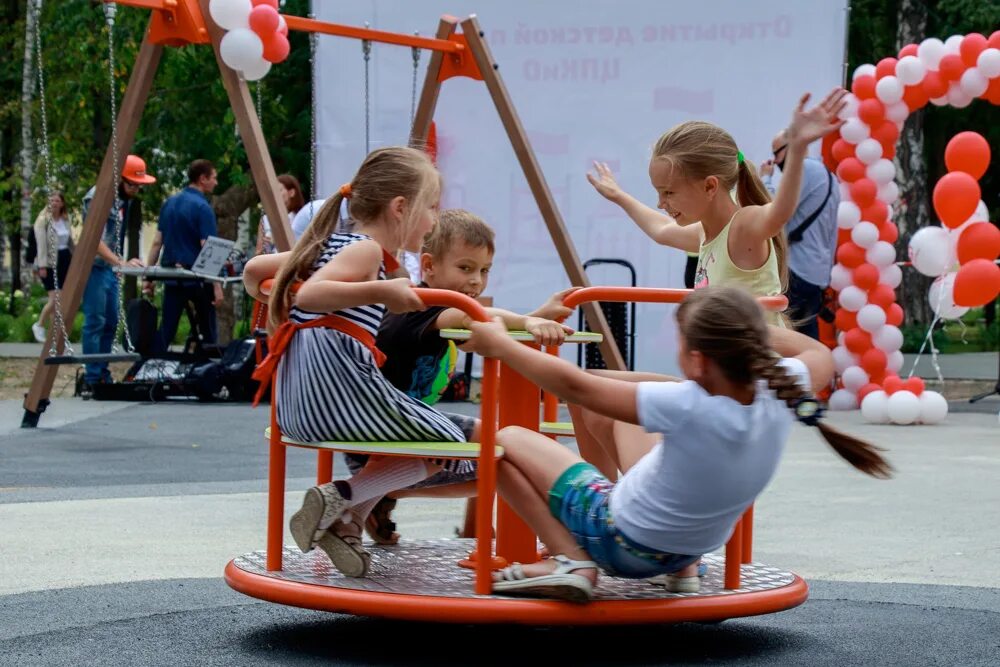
{"type": "Point", "coordinates": [438, 450]}
{"type": "Point", "coordinates": [63, 359]}
{"type": "Point", "coordinates": [561, 429]}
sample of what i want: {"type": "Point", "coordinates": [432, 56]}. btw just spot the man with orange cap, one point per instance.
{"type": "Point", "coordinates": [100, 297]}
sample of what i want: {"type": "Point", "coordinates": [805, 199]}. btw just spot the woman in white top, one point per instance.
{"type": "Point", "coordinates": [292, 198]}
{"type": "Point", "coordinates": [694, 454]}
{"type": "Point", "coordinates": [52, 261]}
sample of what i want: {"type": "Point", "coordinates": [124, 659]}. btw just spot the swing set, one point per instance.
{"type": "Point", "coordinates": [419, 580]}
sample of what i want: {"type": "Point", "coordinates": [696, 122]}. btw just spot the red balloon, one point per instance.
{"type": "Point", "coordinates": [851, 255]}
{"type": "Point", "coordinates": [276, 47]}
{"type": "Point", "coordinates": [864, 87]}
{"type": "Point", "coordinates": [935, 85]}
{"type": "Point", "coordinates": [873, 361]}
{"type": "Point", "coordinates": [842, 150]}
{"type": "Point", "coordinates": [858, 340]}
{"type": "Point", "coordinates": [977, 283]}
{"type": "Point", "coordinates": [843, 236]}
{"type": "Point", "coordinates": [886, 134]}
{"type": "Point", "coordinates": [273, 4]}
{"type": "Point", "coordinates": [866, 276]}
{"type": "Point", "coordinates": [980, 240]}
{"type": "Point", "coordinates": [882, 295]}
{"type": "Point", "coordinates": [283, 28]}
{"type": "Point", "coordinates": [892, 384]}
{"type": "Point", "coordinates": [888, 232]}
{"type": "Point", "coordinates": [915, 97]}
{"type": "Point", "coordinates": [867, 389]}
{"type": "Point", "coordinates": [992, 94]}
{"type": "Point", "coordinates": [850, 170]}
{"type": "Point", "coordinates": [894, 315]}
{"type": "Point", "coordinates": [864, 191]}
{"type": "Point", "coordinates": [871, 111]}
{"type": "Point", "coordinates": [994, 41]}
{"type": "Point", "coordinates": [845, 320]}
{"type": "Point", "coordinates": [972, 45]}
{"type": "Point", "coordinates": [264, 20]}
{"type": "Point", "coordinates": [877, 213]}
{"type": "Point", "coordinates": [914, 384]}
{"type": "Point", "coordinates": [886, 67]}
{"type": "Point", "coordinates": [968, 152]}
{"type": "Point", "coordinates": [908, 50]}
{"type": "Point", "coordinates": [955, 198]}
{"type": "Point", "coordinates": [951, 67]}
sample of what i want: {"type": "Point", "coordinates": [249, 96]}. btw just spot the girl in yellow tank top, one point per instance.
{"type": "Point", "coordinates": [694, 168]}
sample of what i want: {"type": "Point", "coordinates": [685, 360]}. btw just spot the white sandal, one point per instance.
{"type": "Point", "coordinates": [321, 506]}
{"type": "Point", "coordinates": [559, 584]}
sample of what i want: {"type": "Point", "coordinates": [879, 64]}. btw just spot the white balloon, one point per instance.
{"type": "Point", "coordinates": [897, 112]}
{"type": "Point", "coordinates": [848, 214]}
{"type": "Point", "coordinates": [843, 359]}
{"type": "Point", "coordinates": [882, 254]}
{"type": "Point", "coordinates": [875, 407]}
{"type": "Point", "coordinates": [953, 44]}
{"type": "Point", "coordinates": [940, 101]}
{"type": "Point", "coordinates": [854, 378]}
{"type": "Point", "coordinates": [259, 72]}
{"type": "Point", "coordinates": [889, 192]}
{"type": "Point", "coordinates": [930, 51]}
{"type": "Point", "coordinates": [903, 407]}
{"type": "Point", "coordinates": [869, 151]}
{"type": "Point", "coordinates": [892, 276]}
{"type": "Point", "coordinates": [988, 63]}
{"type": "Point", "coordinates": [231, 14]}
{"type": "Point", "coordinates": [942, 298]}
{"type": "Point", "coordinates": [929, 251]}
{"type": "Point", "coordinates": [933, 407]}
{"type": "Point", "coordinates": [973, 82]}
{"type": "Point", "coordinates": [840, 277]}
{"type": "Point", "coordinates": [845, 191]}
{"type": "Point", "coordinates": [843, 400]}
{"type": "Point", "coordinates": [865, 234]}
{"type": "Point", "coordinates": [910, 71]}
{"type": "Point", "coordinates": [889, 339]}
{"type": "Point", "coordinates": [850, 109]}
{"type": "Point", "coordinates": [241, 49]}
{"type": "Point", "coordinates": [982, 213]}
{"type": "Point", "coordinates": [957, 98]}
{"type": "Point", "coordinates": [871, 318]}
{"type": "Point", "coordinates": [852, 298]}
{"type": "Point", "coordinates": [854, 131]}
{"type": "Point", "coordinates": [864, 70]}
{"type": "Point", "coordinates": [895, 362]}
{"type": "Point", "coordinates": [881, 171]}
{"type": "Point", "coordinates": [889, 90]}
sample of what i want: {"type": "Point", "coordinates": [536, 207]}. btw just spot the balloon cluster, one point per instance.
{"type": "Point", "coordinates": [904, 402]}
{"type": "Point", "coordinates": [868, 356]}
{"type": "Point", "coordinates": [256, 35]}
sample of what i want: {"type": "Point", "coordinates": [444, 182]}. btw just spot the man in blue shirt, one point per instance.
{"type": "Point", "coordinates": [186, 222]}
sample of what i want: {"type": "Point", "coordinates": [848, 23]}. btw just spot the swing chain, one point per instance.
{"type": "Point", "coordinates": [120, 329]}
{"type": "Point", "coordinates": [413, 86]}
{"type": "Point", "coordinates": [366, 49]}
{"type": "Point", "coordinates": [312, 119]}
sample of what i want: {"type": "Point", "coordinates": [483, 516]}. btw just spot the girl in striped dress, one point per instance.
{"type": "Point", "coordinates": [323, 345]}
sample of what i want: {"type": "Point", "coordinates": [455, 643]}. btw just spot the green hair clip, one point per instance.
{"type": "Point", "coordinates": [739, 157]}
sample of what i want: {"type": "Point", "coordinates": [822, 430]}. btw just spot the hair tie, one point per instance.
{"type": "Point", "coordinates": [808, 410]}
{"type": "Point", "coordinates": [345, 190]}
{"type": "Point", "coordinates": [739, 157]}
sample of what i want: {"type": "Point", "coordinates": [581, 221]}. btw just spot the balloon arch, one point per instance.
{"type": "Point", "coordinates": [960, 255]}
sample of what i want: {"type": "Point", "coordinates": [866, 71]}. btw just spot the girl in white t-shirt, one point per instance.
{"type": "Point", "coordinates": [694, 454]}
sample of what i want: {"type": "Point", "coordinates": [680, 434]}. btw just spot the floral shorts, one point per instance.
{"type": "Point", "coordinates": [579, 500]}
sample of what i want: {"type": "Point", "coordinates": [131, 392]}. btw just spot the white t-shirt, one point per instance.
{"type": "Point", "coordinates": [61, 229]}
{"type": "Point", "coordinates": [715, 457]}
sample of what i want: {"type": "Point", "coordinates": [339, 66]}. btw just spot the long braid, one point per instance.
{"type": "Point", "coordinates": [860, 454]}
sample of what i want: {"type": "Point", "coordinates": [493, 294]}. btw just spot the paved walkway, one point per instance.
{"type": "Point", "coordinates": [118, 519]}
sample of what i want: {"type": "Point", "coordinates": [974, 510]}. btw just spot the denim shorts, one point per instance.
{"type": "Point", "coordinates": [580, 501]}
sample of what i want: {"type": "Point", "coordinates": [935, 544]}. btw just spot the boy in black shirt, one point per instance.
{"type": "Point", "coordinates": [456, 256]}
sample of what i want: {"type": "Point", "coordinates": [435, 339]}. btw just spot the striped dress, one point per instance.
{"type": "Point", "coordinates": [329, 387]}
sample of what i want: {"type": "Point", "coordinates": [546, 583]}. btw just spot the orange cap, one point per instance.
{"type": "Point", "coordinates": [135, 171]}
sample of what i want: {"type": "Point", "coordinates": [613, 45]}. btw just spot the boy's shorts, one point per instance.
{"type": "Point", "coordinates": [580, 501]}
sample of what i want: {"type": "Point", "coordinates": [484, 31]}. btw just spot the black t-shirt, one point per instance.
{"type": "Point", "coordinates": [414, 349]}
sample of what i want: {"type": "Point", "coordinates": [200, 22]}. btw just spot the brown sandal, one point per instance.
{"type": "Point", "coordinates": [342, 544]}
{"type": "Point", "coordinates": [379, 526]}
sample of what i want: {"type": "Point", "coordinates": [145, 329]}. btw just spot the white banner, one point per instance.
{"type": "Point", "coordinates": [591, 80]}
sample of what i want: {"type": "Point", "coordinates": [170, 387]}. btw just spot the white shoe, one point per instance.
{"type": "Point", "coordinates": [39, 332]}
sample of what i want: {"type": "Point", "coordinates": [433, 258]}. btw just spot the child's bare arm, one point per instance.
{"type": "Point", "coordinates": [553, 308]}
{"type": "Point", "coordinates": [545, 332]}
{"type": "Point", "coordinates": [259, 269]}
{"type": "Point", "coordinates": [814, 354]}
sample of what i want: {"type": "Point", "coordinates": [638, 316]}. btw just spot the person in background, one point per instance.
{"type": "Point", "coordinates": [292, 198]}
{"type": "Point", "coordinates": [52, 261]}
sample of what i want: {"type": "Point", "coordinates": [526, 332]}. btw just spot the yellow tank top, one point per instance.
{"type": "Point", "coordinates": [716, 267]}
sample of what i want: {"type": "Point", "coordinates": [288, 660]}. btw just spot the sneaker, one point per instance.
{"type": "Point", "coordinates": [675, 584]}
{"type": "Point", "coordinates": [39, 331]}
